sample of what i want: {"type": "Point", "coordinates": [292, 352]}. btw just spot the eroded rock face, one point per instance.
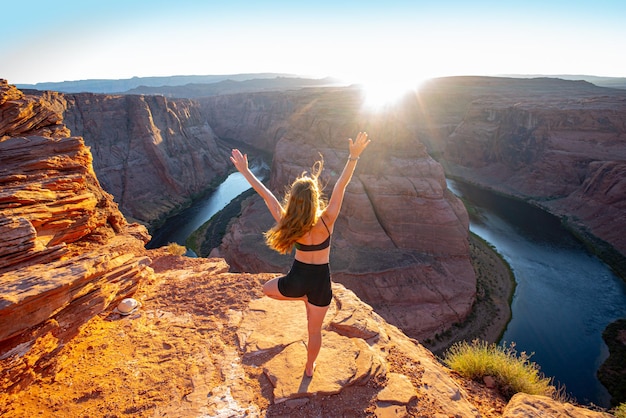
{"type": "Point", "coordinates": [559, 144]}
{"type": "Point", "coordinates": [66, 251]}
{"type": "Point", "coordinates": [400, 242]}
{"type": "Point", "coordinates": [259, 119]}
{"type": "Point", "coordinates": [153, 154]}
{"type": "Point", "coordinates": [29, 115]}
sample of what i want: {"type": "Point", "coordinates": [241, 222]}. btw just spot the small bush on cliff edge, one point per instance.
{"type": "Point", "coordinates": [513, 373]}
{"type": "Point", "coordinates": [620, 411]}
{"type": "Point", "coordinates": [176, 249]}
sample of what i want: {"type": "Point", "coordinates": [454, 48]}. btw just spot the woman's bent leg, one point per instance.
{"type": "Point", "coordinates": [270, 288]}
{"type": "Point", "coordinates": [315, 318]}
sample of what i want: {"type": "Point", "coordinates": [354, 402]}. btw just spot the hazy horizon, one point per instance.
{"type": "Point", "coordinates": [312, 77]}
{"type": "Point", "coordinates": [413, 40]}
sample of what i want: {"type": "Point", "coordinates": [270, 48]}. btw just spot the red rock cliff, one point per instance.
{"type": "Point", "coordinates": [559, 144]}
{"type": "Point", "coordinates": [153, 154]}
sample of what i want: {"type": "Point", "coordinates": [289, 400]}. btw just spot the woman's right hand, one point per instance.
{"type": "Point", "coordinates": [239, 160]}
{"type": "Point", "coordinates": [357, 147]}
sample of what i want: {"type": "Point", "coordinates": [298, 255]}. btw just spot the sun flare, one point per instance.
{"type": "Point", "coordinates": [380, 93]}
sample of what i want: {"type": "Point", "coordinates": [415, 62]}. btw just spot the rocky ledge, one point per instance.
{"type": "Point", "coordinates": [205, 342]}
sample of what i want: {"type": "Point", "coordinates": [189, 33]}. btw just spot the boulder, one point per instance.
{"type": "Point", "coordinates": [524, 405]}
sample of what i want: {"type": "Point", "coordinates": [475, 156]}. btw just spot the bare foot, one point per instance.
{"type": "Point", "coordinates": [309, 372]}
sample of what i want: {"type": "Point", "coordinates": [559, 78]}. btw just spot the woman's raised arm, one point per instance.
{"type": "Point", "coordinates": [241, 163]}
{"type": "Point", "coordinates": [336, 198]}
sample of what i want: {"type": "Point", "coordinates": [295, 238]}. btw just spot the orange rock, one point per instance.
{"type": "Point", "coordinates": [66, 252]}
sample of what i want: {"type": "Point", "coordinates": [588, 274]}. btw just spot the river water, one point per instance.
{"type": "Point", "coordinates": [565, 297]}
{"type": "Point", "coordinates": [178, 228]}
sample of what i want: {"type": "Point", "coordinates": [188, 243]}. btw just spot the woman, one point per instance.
{"type": "Point", "coordinates": [305, 222]}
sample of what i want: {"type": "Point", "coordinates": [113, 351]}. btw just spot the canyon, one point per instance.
{"type": "Point", "coordinates": [68, 254]}
{"type": "Point", "coordinates": [151, 153]}
{"type": "Point", "coordinates": [204, 341]}
{"type": "Point", "coordinates": [555, 143]}
{"type": "Point", "coordinates": [401, 240]}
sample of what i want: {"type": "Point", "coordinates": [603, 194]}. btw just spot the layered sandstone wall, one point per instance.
{"type": "Point", "coordinates": [152, 153]}
{"type": "Point", "coordinates": [66, 251]}
{"type": "Point", "coordinates": [258, 119]}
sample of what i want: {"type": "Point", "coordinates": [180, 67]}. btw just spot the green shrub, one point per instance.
{"type": "Point", "coordinates": [513, 373]}
{"type": "Point", "coordinates": [176, 249]}
{"type": "Point", "coordinates": [620, 411]}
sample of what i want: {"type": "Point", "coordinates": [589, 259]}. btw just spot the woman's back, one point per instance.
{"type": "Point", "coordinates": [320, 232]}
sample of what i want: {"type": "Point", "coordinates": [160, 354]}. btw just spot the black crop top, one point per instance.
{"type": "Point", "coordinates": [315, 247]}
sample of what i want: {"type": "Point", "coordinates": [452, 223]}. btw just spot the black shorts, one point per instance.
{"type": "Point", "coordinates": [312, 280]}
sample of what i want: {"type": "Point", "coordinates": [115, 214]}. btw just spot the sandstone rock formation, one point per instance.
{"type": "Point", "coordinates": [523, 405]}
{"type": "Point", "coordinates": [401, 241]}
{"type": "Point", "coordinates": [21, 115]}
{"type": "Point", "coordinates": [153, 154]}
{"type": "Point", "coordinates": [559, 144]}
{"type": "Point", "coordinates": [66, 252]}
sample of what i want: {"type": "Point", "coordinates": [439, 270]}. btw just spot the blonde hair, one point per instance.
{"type": "Point", "coordinates": [302, 206]}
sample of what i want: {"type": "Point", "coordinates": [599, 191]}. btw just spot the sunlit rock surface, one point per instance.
{"type": "Point", "coordinates": [66, 252]}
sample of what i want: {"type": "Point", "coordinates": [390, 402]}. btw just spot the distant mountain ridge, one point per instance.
{"type": "Point", "coordinates": [124, 85]}
{"type": "Point", "coordinates": [189, 86]}
{"type": "Point", "coordinates": [612, 82]}
{"type": "Point", "coordinates": [230, 86]}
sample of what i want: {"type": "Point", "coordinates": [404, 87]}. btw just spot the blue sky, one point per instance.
{"type": "Point", "coordinates": [361, 41]}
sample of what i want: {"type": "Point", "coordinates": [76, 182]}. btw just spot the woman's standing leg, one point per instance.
{"type": "Point", "coordinates": [315, 318]}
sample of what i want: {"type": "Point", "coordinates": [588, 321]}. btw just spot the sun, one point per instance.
{"type": "Point", "coordinates": [383, 92]}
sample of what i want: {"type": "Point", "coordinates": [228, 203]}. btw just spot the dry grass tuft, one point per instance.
{"type": "Point", "coordinates": [513, 373]}
{"type": "Point", "coordinates": [176, 249]}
